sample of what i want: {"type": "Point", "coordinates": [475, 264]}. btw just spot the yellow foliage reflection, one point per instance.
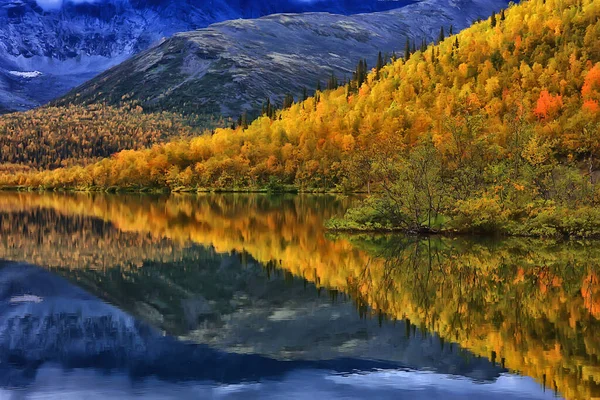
{"type": "Point", "coordinates": [531, 305]}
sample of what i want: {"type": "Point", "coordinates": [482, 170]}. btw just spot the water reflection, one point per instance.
{"type": "Point", "coordinates": [257, 276]}
{"type": "Point", "coordinates": [57, 340]}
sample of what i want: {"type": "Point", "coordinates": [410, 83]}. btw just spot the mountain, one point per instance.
{"type": "Point", "coordinates": [49, 322]}
{"type": "Point", "coordinates": [48, 46]}
{"type": "Point", "coordinates": [232, 67]}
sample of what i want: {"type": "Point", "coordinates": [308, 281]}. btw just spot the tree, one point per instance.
{"type": "Point", "coordinates": [379, 64]}
{"type": "Point", "coordinates": [288, 100]}
{"type": "Point", "coordinates": [333, 82]}
{"type": "Point", "coordinates": [548, 105]}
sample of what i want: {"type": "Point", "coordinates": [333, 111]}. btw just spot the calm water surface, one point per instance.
{"type": "Point", "coordinates": [246, 296]}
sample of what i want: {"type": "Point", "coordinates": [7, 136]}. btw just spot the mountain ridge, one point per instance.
{"type": "Point", "coordinates": [75, 42]}
{"type": "Point", "coordinates": [231, 67]}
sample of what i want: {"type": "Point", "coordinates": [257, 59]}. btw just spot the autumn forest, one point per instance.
{"type": "Point", "coordinates": [426, 224]}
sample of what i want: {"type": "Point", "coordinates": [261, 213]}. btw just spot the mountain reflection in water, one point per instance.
{"type": "Point", "coordinates": [247, 296]}
{"type": "Point", "coordinates": [66, 336]}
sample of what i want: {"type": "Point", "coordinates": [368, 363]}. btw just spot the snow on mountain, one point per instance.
{"type": "Point", "coordinates": [71, 41]}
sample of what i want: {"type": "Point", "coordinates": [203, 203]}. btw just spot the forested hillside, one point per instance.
{"type": "Point", "coordinates": [494, 125]}
{"type": "Point", "coordinates": [53, 137]}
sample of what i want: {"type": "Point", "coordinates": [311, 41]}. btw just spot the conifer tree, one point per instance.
{"type": "Point", "coordinates": [493, 20]}
{"type": "Point", "coordinates": [288, 100]}
{"type": "Point", "coordinates": [407, 49]}
{"type": "Point", "coordinates": [267, 110]}
{"type": "Point", "coordinates": [243, 121]}
{"type": "Point", "coordinates": [379, 64]}
{"type": "Point", "coordinates": [441, 37]}
{"type": "Point", "coordinates": [333, 82]}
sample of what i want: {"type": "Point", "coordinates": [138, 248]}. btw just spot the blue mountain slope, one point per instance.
{"type": "Point", "coordinates": [231, 67]}
{"type": "Point", "coordinates": [58, 44]}
{"type": "Point", "coordinates": [50, 46]}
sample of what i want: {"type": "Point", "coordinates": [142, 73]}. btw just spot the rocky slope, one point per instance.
{"type": "Point", "coordinates": [231, 67]}
{"type": "Point", "coordinates": [50, 46]}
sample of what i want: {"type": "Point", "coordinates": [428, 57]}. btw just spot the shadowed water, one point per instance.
{"type": "Point", "coordinates": [246, 296]}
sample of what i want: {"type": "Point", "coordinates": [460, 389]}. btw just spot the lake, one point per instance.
{"type": "Point", "coordinates": [247, 296]}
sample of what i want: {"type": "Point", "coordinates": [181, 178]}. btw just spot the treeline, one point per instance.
{"type": "Point", "coordinates": [52, 137]}
{"type": "Point", "coordinates": [499, 120]}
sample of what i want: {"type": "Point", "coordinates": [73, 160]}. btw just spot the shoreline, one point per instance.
{"type": "Point", "coordinates": [329, 225]}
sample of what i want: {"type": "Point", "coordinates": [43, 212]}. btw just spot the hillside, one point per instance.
{"type": "Point", "coordinates": [52, 137]}
{"type": "Point", "coordinates": [48, 47]}
{"type": "Point", "coordinates": [232, 67]}
{"type": "Point", "coordinates": [495, 128]}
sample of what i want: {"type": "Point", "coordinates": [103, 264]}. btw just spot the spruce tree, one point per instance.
{"type": "Point", "coordinates": [442, 36]}
{"type": "Point", "coordinates": [407, 49]}
{"type": "Point", "coordinates": [379, 64]}
{"type": "Point", "coordinates": [493, 20]}
{"type": "Point", "coordinates": [333, 82]}
{"type": "Point", "coordinates": [288, 100]}
{"type": "Point", "coordinates": [243, 121]}
{"type": "Point", "coordinates": [268, 109]}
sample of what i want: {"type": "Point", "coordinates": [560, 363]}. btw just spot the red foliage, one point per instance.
{"type": "Point", "coordinates": [548, 105]}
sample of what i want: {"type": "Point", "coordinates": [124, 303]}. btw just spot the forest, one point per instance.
{"type": "Point", "coordinates": [53, 137]}
{"type": "Point", "coordinates": [494, 129]}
